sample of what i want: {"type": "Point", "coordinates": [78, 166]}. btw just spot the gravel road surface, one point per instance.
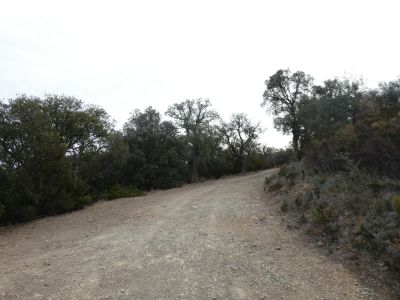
{"type": "Point", "coordinates": [213, 240]}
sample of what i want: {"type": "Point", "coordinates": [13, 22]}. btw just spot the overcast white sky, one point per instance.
{"type": "Point", "coordinates": [124, 55]}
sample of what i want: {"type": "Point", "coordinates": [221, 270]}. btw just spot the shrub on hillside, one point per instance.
{"type": "Point", "coordinates": [351, 208]}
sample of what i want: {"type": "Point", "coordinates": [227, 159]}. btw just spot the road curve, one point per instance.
{"type": "Point", "coordinates": [214, 240]}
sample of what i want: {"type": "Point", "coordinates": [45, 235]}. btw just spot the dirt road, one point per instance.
{"type": "Point", "coordinates": [213, 240]}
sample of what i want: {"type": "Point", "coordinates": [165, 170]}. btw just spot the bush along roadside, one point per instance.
{"type": "Point", "coordinates": [119, 191]}
{"type": "Point", "coordinates": [351, 209]}
{"type": "Point", "coordinates": [115, 192]}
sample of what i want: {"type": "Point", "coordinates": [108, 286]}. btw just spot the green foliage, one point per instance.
{"type": "Point", "coordinates": [288, 171]}
{"type": "Point", "coordinates": [2, 209]}
{"type": "Point", "coordinates": [118, 191]}
{"type": "Point", "coordinates": [347, 185]}
{"type": "Point", "coordinates": [396, 204]}
{"type": "Point", "coordinates": [325, 216]}
{"type": "Point", "coordinates": [85, 200]}
{"type": "Point", "coordinates": [240, 136]}
{"type": "Point", "coordinates": [58, 154]}
{"type": "Point", "coordinates": [284, 90]}
{"type": "Point", "coordinates": [41, 145]}
{"type": "Point", "coordinates": [157, 158]}
{"type": "Point", "coordinates": [280, 157]}
{"type": "Point", "coordinates": [195, 118]}
{"type": "Point", "coordinates": [341, 121]}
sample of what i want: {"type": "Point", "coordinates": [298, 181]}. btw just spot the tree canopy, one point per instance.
{"type": "Point", "coordinates": [240, 135]}
{"type": "Point", "coordinates": [284, 90]}
{"type": "Point", "coordinates": [58, 154]}
{"type": "Point", "coordinates": [195, 118]}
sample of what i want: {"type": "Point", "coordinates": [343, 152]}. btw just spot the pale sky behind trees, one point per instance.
{"type": "Point", "coordinates": [123, 55]}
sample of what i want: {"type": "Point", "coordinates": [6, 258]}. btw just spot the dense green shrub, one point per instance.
{"type": "Point", "coordinates": [2, 209]}
{"type": "Point", "coordinates": [340, 121]}
{"type": "Point", "coordinates": [119, 191]}
{"type": "Point", "coordinates": [85, 200]}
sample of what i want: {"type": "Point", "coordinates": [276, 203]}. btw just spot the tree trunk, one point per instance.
{"type": "Point", "coordinates": [295, 142]}
{"type": "Point", "coordinates": [195, 169]}
{"type": "Point", "coordinates": [243, 168]}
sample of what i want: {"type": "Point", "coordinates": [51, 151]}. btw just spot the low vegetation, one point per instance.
{"type": "Point", "coordinates": [350, 208]}
{"type": "Point", "coordinates": [345, 184]}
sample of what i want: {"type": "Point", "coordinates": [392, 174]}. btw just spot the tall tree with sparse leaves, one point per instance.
{"type": "Point", "coordinates": [283, 92]}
